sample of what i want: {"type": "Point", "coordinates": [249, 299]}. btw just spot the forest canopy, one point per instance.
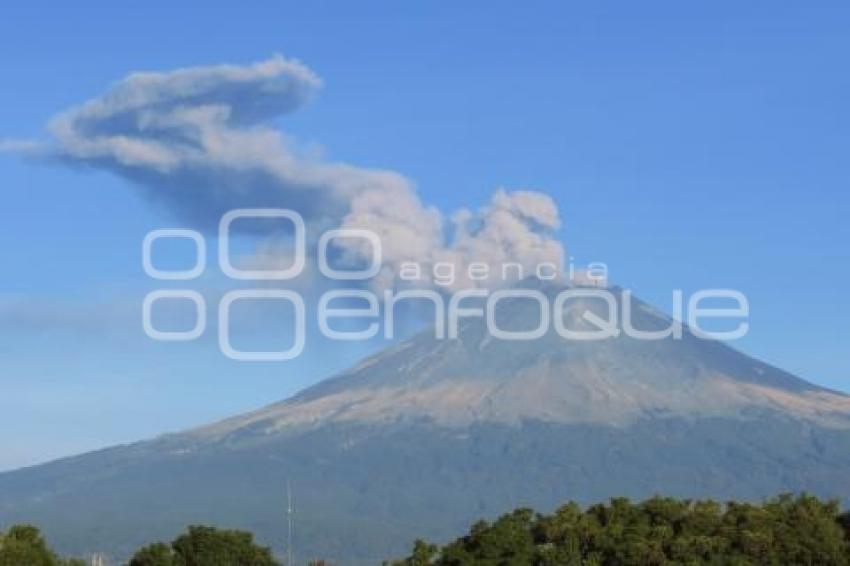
{"type": "Point", "coordinates": [799, 530]}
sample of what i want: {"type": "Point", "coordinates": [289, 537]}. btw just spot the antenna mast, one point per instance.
{"type": "Point", "coordinates": [288, 525]}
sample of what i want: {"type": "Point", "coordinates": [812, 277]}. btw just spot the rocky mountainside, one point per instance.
{"type": "Point", "coordinates": [431, 434]}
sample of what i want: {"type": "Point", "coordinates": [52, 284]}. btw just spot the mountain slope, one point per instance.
{"type": "Point", "coordinates": [423, 438]}
{"type": "Point", "coordinates": [478, 378]}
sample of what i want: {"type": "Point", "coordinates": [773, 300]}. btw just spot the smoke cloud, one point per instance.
{"type": "Point", "coordinates": [201, 141]}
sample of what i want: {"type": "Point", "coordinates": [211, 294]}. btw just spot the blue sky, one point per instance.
{"type": "Point", "coordinates": [686, 146]}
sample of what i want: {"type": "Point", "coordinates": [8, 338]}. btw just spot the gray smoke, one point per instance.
{"type": "Point", "coordinates": [201, 141]}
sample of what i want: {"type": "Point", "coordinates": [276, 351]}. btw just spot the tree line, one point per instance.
{"type": "Point", "coordinates": [785, 530]}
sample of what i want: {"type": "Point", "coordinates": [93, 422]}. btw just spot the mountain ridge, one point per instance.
{"type": "Point", "coordinates": [429, 435]}
{"type": "Point", "coordinates": [412, 378]}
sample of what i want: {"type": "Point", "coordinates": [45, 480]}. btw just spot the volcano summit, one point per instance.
{"type": "Point", "coordinates": [429, 435]}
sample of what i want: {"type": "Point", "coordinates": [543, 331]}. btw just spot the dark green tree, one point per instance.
{"type": "Point", "coordinates": [23, 545]}
{"type": "Point", "coordinates": [206, 546]}
{"type": "Point", "coordinates": [156, 554]}
{"type": "Point", "coordinates": [786, 530]}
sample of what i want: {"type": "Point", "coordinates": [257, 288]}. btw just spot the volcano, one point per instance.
{"type": "Point", "coordinates": [426, 437]}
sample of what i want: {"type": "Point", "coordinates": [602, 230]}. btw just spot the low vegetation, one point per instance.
{"type": "Point", "coordinates": [788, 530]}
